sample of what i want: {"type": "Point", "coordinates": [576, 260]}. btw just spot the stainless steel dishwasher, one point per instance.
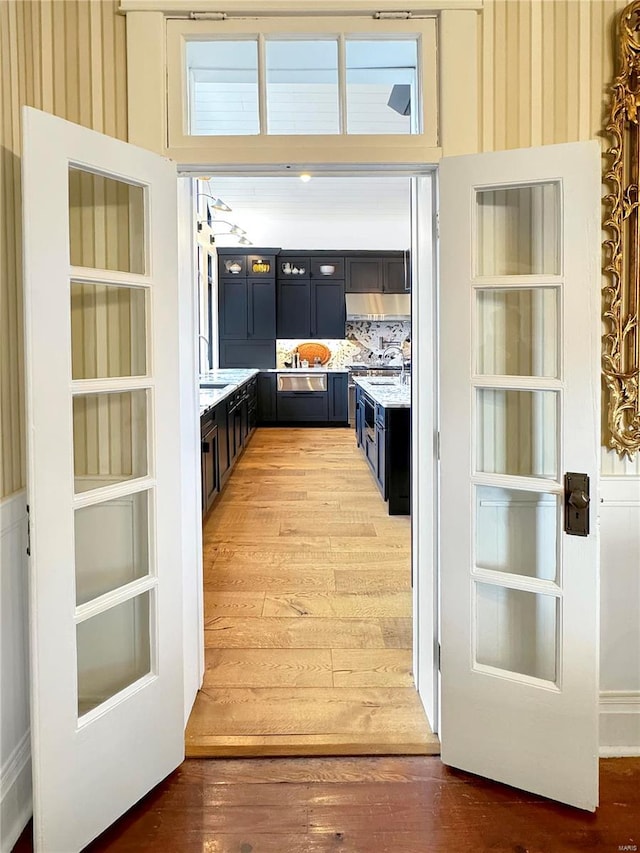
{"type": "Point", "coordinates": [302, 397]}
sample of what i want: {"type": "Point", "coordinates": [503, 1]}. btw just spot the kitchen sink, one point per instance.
{"type": "Point", "coordinates": [210, 386]}
{"type": "Point", "coordinates": [383, 382]}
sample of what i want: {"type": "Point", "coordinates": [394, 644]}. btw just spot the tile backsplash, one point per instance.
{"type": "Point", "coordinates": [364, 340]}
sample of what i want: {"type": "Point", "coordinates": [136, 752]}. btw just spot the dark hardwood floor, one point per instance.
{"type": "Point", "coordinates": [395, 804]}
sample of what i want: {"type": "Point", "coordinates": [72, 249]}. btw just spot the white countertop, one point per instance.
{"type": "Point", "coordinates": [310, 369]}
{"type": "Point", "coordinates": [233, 379]}
{"type": "Point", "coordinates": [389, 392]}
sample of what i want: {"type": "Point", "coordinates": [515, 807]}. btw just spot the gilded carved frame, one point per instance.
{"type": "Point", "coordinates": [621, 341]}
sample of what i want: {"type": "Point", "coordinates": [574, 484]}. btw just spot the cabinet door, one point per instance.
{"type": "Point", "coordinates": [395, 274]}
{"type": "Point", "coordinates": [338, 398]}
{"type": "Point", "coordinates": [248, 353]}
{"type": "Point", "coordinates": [232, 308]}
{"type": "Point", "coordinates": [328, 313]}
{"type": "Point", "coordinates": [364, 274]}
{"type": "Point", "coordinates": [302, 407]}
{"type": "Point", "coordinates": [261, 317]}
{"type": "Point", "coordinates": [294, 309]}
{"type": "Point", "coordinates": [381, 464]}
{"type": "Point", "coordinates": [266, 398]}
{"type": "Point", "coordinates": [223, 440]}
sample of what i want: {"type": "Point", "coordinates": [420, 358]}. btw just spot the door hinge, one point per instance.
{"type": "Point", "coordinates": [437, 442]}
{"type": "Point", "coordinates": [208, 16]}
{"type": "Point", "coordinates": [438, 656]}
{"type": "Point", "coordinates": [437, 224]}
{"type": "Point", "coordinates": [392, 16]}
{"type": "Point", "coordinates": [28, 532]}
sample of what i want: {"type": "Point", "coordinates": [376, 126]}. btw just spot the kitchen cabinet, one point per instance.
{"type": "Point", "coordinates": [209, 460]}
{"type": "Point", "coordinates": [311, 308]}
{"type": "Point", "coordinates": [246, 309]}
{"type": "Point", "coordinates": [267, 413]}
{"type": "Point", "coordinates": [302, 407]}
{"type": "Point", "coordinates": [375, 272]}
{"type": "Point", "coordinates": [338, 402]}
{"type": "Point", "coordinates": [384, 436]}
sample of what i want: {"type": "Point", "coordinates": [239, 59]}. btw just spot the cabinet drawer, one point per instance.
{"type": "Point", "coordinates": [296, 406]}
{"type": "Point", "coordinates": [327, 267]}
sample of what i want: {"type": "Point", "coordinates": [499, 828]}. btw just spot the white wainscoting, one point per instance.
{"type": "Point", "coordinates": [620, 616]}
{"type": "Point", "coordinates": [15, 743]}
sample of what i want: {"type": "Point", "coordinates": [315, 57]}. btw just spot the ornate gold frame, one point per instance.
{"type": "Point", "coordinates": [621, 341]}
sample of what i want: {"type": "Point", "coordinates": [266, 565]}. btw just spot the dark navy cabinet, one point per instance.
{"type": "Point", "coordinates": [375, 272]}
{"type": "Point", "coordinates": [247, 309]}
{"type": "Point", "coordinates": [267, 413]}
{"type": "Point", "coordinates": [338, 398]}
{"type": "Point", "coordinates": [301, 407]}
{"type": "Point", "coordinates": [311, 308]}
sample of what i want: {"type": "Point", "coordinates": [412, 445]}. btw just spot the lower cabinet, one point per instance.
{"type": "Point", "coordinates": [302, 406]}
{"type": "Point", "coordinates": [267, 413]}
{"type": "Point", "coordinates": [224, 430]}
{"type": "Point", "coordinates": [384, 434]}
{"type": "Point", "coordinates": [210, 466]}
{"type": "Point", "coordinates": [338, 393]}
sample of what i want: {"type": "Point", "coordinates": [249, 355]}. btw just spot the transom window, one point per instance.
{"type": "Point", "coordinates": [302, 85]}
{"type": "Point", "coordinates": [245, 89]}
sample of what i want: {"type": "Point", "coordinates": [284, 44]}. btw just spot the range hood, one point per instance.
{"type": "Point", "coordinates": [378, 306]}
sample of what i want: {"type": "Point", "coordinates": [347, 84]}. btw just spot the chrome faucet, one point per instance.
{"type": "Point", "coordinates": [206, 340]}
{"type": "Point", "coordinates": [401, 353]}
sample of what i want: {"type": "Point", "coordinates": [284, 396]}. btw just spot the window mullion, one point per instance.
{"type": "Point", "coordinates": [342, 83]}
{"type": "Point", "coordinates": [262, 84]}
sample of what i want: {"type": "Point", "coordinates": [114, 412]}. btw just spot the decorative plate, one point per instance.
{"type": "Point", "coordinates": [311, 350]}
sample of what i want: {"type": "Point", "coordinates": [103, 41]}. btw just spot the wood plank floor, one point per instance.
{"type": "Point", "coordinates": [307, 608]}
{"type": "Point", "coordinates": [391, 804]}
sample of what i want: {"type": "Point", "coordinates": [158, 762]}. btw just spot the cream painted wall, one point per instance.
{"type": "Point", "coordinates": [68, 58]}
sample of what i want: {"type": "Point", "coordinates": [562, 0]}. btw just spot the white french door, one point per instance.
{"type": "Point", "coordinates": [520, 396]}
{"type": "Point", "coordinates": [104, 479]}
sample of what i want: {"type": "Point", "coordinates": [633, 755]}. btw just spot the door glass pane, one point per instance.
{"type": "Point", "coordinates": [109, 438]}
{"type": "Point", "coordinates": [106, 223]}
{"type": "Point", "coordinates": [516, 531]}
{"type": "Point", "coordinates": [222, 79]}
{"type": "Point", "coordinates": [516, 432]}
{"type": "Point", "coordinates": [516, 630]}
{"type": "Point", "coordinates": [114, 650]}
{"type": "Point", "coordinates": [108, 331]}
{"type": "Point", "coordinates": [111, 545]}
{"type": "Point", "coordinates": [302, 87]}
{"type": "Point", "coordinates": [517, 332]}
{"type": "Point", "coordinates": [519, 230]}
{"type": "Point", "coordinates": [382, 86]}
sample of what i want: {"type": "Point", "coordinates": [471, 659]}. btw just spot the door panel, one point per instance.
{"type": "Point", "coordinates": [520, 266]}
{"type": "Point", "coordinates": [104, 477]}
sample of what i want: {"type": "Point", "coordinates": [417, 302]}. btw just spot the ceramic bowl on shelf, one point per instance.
{"type": "Point", "coordinates": [327, 269]}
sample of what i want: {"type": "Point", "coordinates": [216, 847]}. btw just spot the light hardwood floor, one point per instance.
{"type": "Point", "coordinates": [307, 608]}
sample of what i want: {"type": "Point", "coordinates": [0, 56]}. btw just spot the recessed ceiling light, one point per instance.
{"type": "Point", "coordinates": [305, 177]}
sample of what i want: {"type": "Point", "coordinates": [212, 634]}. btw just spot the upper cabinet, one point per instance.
{"type": "Point", "coordinates": [375, 272]}
{"type": "Point", "coordinates": [247, 309]}
{"type": "Point", "coordinates": [310, 302]}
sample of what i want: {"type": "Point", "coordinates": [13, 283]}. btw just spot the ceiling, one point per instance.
{"type": "Point", "coordinates": [341, 212]}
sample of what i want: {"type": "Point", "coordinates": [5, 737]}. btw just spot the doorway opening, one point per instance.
{"type": "Point", "coordinates": [339, 213]}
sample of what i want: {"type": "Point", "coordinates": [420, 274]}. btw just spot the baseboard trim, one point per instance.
{"type": "Point", "coordinates": [16, 798]}
{"type": "Point", "coordinates": [619, 723]}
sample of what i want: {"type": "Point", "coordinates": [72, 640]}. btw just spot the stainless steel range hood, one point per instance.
{"type": "Point", "coordinates": [378, 306]}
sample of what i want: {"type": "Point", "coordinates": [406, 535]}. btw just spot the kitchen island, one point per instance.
{"type": "Point", "coordinates": [383, 432]}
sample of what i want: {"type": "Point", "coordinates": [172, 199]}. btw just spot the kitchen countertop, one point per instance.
{"type": "Point", "coordinates": [310, 369]}
{"type": "Point", "coordinates": [395, 396]}
{"type": "Point", "coordinates": [233, 377]}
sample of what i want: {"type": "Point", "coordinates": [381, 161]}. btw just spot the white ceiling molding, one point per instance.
{"type": "Point", "coordinates": [296, 8]}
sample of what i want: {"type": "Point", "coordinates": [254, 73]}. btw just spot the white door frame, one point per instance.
{"type": "Point", "coordinates": [425, 568]}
